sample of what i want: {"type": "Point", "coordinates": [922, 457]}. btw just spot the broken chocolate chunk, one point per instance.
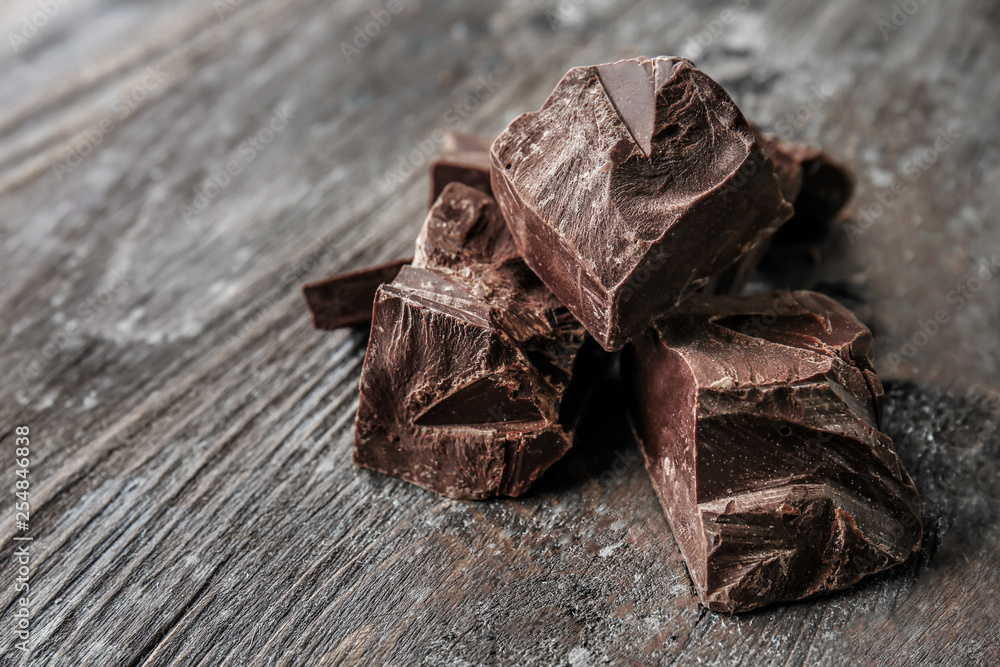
{"type": "Point", "coordinates": [818, 187]}
{"type": "Point", "coordinates": [632, 186]}
{"type": "Point", "coordinates": [464, 158]}
{"type": "Point", "coordinates": [759, 421]}
{"type": "Point", "coordinates": [466, 388]}
{"type": "Point", "coordinates": [346, 300]}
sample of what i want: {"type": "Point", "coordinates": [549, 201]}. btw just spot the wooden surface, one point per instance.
{"type": "Point", "coordinates": [192, 496]}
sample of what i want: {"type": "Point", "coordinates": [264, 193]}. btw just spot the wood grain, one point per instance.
{"type": "Point", "coordinates": [193, 500]}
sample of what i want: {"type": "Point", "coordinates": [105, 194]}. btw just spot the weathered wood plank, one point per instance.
{"type": "Point", "coordinates": [193, 500]}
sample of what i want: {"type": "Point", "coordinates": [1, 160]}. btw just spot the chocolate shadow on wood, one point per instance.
{"type": "Point", "coordinates": [604, 446]}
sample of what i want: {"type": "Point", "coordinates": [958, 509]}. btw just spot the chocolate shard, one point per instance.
{"type": "Point", "coordinates": [632, 186]}
{"type": "Point", "coordinates": [817, 185]}
{"type": "Point", "coordinates": [824, 188]}
{"type": "Point", "coordinates": [759, 422]}
{"type": "Point", "coordinates": [466, 388]}
{"type": "Point", "coordinates": [464, 158]}
{"type": "Point", "coordinates": [346, 300]}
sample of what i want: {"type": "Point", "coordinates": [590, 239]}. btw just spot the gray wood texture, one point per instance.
{"type": "Point", "coordinates": [192, 496]}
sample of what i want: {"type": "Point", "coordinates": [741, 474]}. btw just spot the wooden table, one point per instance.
{"type": "Point", "coordinates": [192, 499]}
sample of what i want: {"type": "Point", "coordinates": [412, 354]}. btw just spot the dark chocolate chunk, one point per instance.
{"type": "Point", "coordinates": [759, 421]}
{"type": "Point", "coordinates": [346, 300]}
{"type": "Point", "coordinates": [632, 186]}
{"type": "Point", "coordinates": [818, 187]}
{"type": "Point", "coordinates": [826, 188]}
{"type": "Point", "coordinates": [466, 383]}
{"type": "Point", "coordinates": [464, 158]}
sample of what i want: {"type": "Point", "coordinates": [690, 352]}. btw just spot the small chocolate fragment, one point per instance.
{"type": "Point", "coordinates": [466, 384]}
{"type": "Point", "coordinates": [632, 186]}
{"type": "Point", "coordinates": [818, 187]}
{"type": "Point", "coordinates": [464, 158]}
{"type": "Point", "coordinates": [759, 420]}
{"type": "Point", "coordinates": [346, 300]}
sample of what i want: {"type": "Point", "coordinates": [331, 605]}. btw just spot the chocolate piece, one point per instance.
{"type": "Point", "coordinates": [346, 300]}
{"type": "Point", "coordinates": [633, 185]}
{"type": "Point", "coordinates": [825, 186]}
{"type": "Point", "coordinates": [818, 187]}
{"type": "Point", "coordinates": [759, 421]}
{"type": "Point", "coordinates": [466, 385]}
{"type": "Point", "coordinates": [464, 158]}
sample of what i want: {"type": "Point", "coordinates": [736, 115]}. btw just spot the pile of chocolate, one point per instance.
{"type": "Point", "coordinates": [624, 218]}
